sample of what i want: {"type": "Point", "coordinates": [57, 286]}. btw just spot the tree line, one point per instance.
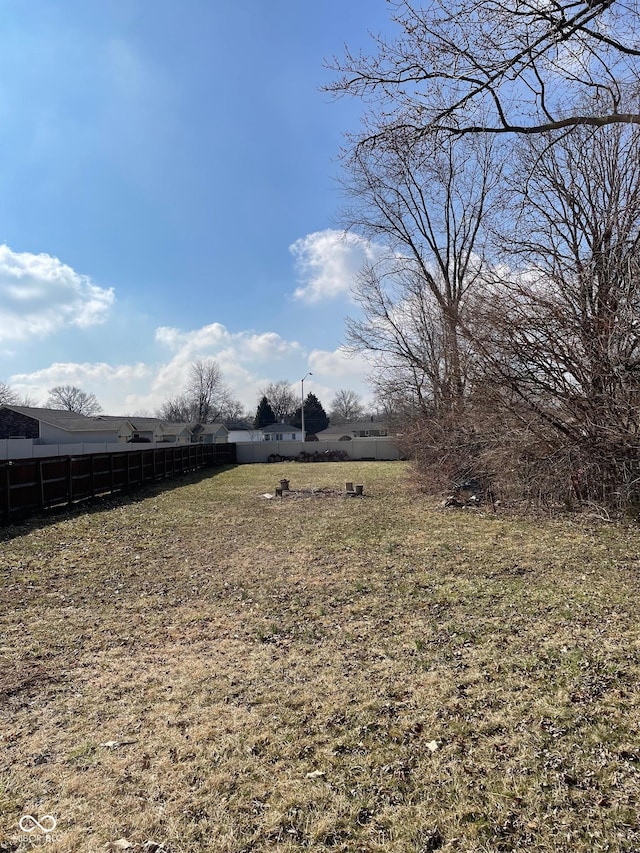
{"type": "Point", "coordinates": [206, 398]}
{"type": "Point", "coordinates": [279, 403]}
{"type": "Point", "coordinates": [498, 177]}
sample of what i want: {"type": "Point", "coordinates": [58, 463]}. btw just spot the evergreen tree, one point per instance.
{"type": "Point", "coordinates": [315, 417]}
{"type": "Point", "coordinates": [264, 414]}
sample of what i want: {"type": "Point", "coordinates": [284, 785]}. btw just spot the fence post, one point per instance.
{"type": "Point", "coordinates": [41, 482]}
{"type": "Point", "coordinates": [7, 469]}
{"type": "Point", "coordinates": [69, 481]}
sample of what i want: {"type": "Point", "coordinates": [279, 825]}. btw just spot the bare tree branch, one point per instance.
{"type": "Point", "coordinates": [497, 67]}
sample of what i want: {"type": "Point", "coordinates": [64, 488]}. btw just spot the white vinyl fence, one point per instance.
{"type": "Point", "coordinates": [359, 449]}
{"type": "Point", "coordinates": [26, 448]}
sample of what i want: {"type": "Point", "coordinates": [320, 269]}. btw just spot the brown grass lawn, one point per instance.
{"type": "Point", "coordinates": [199, 668]}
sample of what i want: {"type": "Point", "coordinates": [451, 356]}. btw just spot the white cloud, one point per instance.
{"type": "Point", "coordinates": [343, 366]}
{"type": "Point", "coordinates": [71, 373]}
{"type": "Point", "coordinates": [248, 360]}
{"type": "Point", "coordinates": [327, 263]}
{"type": "Point", "coordinates": [242, 357]}
{"type": "Point", "coordinates": [189, 344]}
{"type": "Point", "coordinates": [40, 295]}
{"type": "Point", "coordinates": [103, 380]}
{"type": "Point", "coordinates": [243, 345]}
{"type": "Point", "coordinates": [269, 345]}
{"type": "Point", "coordinates": [337, 369]}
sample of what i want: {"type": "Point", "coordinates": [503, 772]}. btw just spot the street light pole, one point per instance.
{"type": "Point", "coordinates": [302, 408]}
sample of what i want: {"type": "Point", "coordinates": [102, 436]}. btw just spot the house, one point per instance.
{"type": "Point", "coordinates": [281, 432]}
{"type": "Point", "coordinates": [210, 433]}
{"type": "Point", "coordinates": [56, 426]}
{"type": "Point", "coordinates": [354, 429]}
{"type": "Point", "coordinates": [177, 433]}
{"type": "Point", "coordinates": [273, 432]}
{"type": "Point", "coordinates": [144, 429]}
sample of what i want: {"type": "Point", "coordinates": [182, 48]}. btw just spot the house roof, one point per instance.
{"type": "Point", "coordinates": [353, 426]}
{"type": "Point", "coordinates": [49, 415]}
{"type": "Point", "coordinates": [134, 420]}
{"type": "Point", "coordinates": [63, 419]}
{"type": "Point", "coordinates": [210, 429]}
{"type": "Point", "coordinates": [175, 428]}
{"type": "Point", "coordinates": [97, 423]}
{"type": "Point", "coordinates": [170, 427]}
{"type": "Point", "coordinates": [73, 422]}
{"type": "Point", "coordinates": [280, 428]}
{"type": "Point", "coordinates": [244, 423]}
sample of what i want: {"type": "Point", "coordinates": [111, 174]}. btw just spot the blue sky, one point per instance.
{"type": "Point", "coordinates": [168, 191]}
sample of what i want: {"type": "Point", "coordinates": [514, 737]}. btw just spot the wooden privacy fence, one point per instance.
{"type": "Point", "coordinates": [28, 485]}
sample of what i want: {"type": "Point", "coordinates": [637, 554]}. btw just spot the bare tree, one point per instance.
{"type": "Point", "coordinates": [206, 390]}
{"type": "Point", "coordinates": [426, 206]}
{"type": "Point", "coordinates": [282, 399]}
{"type": "Point", "coordinates": [73, 399]}
{"type": "Point", "coordinates": [346, 406]}
{"type": "Point", "coordinates": [176, 409]}
{"type": "Point", "coordinates": [232, 412]}
{"type": "Point", "coordinates": [493, 66]}
{"type": "Point", "coordinates": [564, 330]}
{"type": "Point", "coordinates": [206, 398]}
{"type": "Point", "coordinates": [8, 395]}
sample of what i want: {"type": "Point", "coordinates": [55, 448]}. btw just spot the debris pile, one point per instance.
{"type": "Point", "coordinates": [472, 492]}
{"type": "Point", "coordinates": [316, 456]}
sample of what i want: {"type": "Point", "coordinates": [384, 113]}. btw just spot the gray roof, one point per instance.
{"type": "Point", "coordinates": [133, 419]}
{"type": "Point", "coordinates": [353, 426]}
{"type": "Point", "coordinates": [63, 419]}
{"type": "Point", "coordinates": [138, 423]}
{"type": "Point", "coordinates": [211, 429]}
{"type": "Point", "coordinates": [95, 423]}
{"type": "Point", "coordinates": [175, 428]}
{"type": "Point", "coordinates": [73, 422]}
{"type": "Point", "coordinates": [43, 414]}
{"type": "Point", "coordinates": [281, 428]}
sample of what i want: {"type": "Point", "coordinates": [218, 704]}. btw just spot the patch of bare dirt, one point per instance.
{"type": "Point", "coordinates": [311, 493]}
{"type": "Point", "coordinates": [17, 679]}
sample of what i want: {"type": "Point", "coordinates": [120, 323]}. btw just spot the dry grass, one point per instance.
{"type": "Point", "coordinates": [207, 670]}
